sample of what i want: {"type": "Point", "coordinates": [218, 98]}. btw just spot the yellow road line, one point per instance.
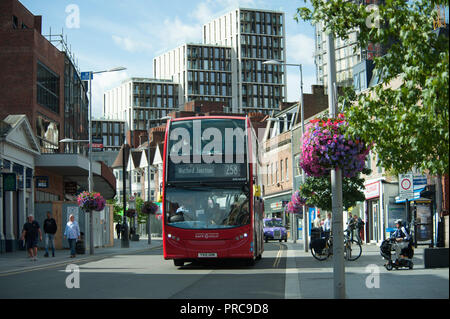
{"type": "Point", "coordinates": [278, 258]}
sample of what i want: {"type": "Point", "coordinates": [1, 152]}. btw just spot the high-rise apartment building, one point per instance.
{"type": "Point", "coordinates": [255, 36]}
{"type": "Point", "coordinates": [228, 66]}
{"type": "Point", "coordinates": [140, 101]}
{"type": "Point", "coordinates": [347, 53]}
{"type": "Point", "coordinates": [202, 71]}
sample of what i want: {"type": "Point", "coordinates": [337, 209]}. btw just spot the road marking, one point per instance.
{"type": "Point", "coordinates": [278, 258]}
{"type": "Point", "coordinates": [292, 281]}
{"type": "Point", "coordinates": [65, 263]}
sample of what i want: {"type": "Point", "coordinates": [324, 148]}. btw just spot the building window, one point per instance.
{"type": "Point", "coordinates": [281, 170]}
{"type": "Point", "coordinates": [271, 173]}
{"type": "Point", "coordinates": [15, 22]}
{"type": "Point", "coordinates": [276, 172]}
{"type": "Point", "coordinates": [287, 169]}
{"type": "Point", "coordinates": [47, 88]}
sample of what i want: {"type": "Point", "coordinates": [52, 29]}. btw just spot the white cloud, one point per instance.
{"type": "Point", "coordinates": [293, 84]}
{"type": "Point", "coordinates": [300, 49]}
{"type": "Point", "coordinates": [101, 83]}
{"type": "Point", "coordinates": [132, 45]}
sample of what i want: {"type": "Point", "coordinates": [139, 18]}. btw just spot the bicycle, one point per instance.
{"type": "Point", "coordinates": [352, 248]}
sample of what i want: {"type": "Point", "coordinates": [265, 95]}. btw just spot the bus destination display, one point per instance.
{"type": "Point", "coordinates": [210, 171]}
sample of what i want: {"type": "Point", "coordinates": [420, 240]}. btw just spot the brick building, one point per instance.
{"type": "Point", "coordinates": [43, 83]}
{"type": "Point", "coordinates": [281, 146]}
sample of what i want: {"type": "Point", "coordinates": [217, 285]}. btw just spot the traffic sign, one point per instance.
{"type": "Point", "coordinates": [85, 76]}
{"type": "Point", "coordinates": [406, 186]}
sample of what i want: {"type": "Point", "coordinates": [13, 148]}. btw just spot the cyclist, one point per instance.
{"type": "Point", "coordinates": [402, 238]}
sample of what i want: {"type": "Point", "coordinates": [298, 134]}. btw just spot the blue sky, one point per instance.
{"type": "Point", "coordinates": [131, 33]}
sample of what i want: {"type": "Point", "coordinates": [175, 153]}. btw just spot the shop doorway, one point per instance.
{"type": "Point", "coordinates": [373, 219]}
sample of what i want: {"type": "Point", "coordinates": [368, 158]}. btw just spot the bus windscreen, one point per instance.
{"type": "Point", "coordinates": [207, 149]}
{"type": "Point", "coordinates": [207, 207]}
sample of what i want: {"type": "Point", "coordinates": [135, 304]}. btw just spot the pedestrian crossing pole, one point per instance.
{"type": "Point", "coordinates": [336, 186]}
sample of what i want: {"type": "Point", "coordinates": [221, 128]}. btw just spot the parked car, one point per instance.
{"type": "Point", "coordinates": [274, 229]}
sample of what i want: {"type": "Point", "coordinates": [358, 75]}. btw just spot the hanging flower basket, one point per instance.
{"type": "Point", "coordinates": [91, 201]}
{"type": "Point", "coordinates": [296, 203]}
{"type": "Point", "coordinates": [325, 147]}
{"type": "Point", "coordinates": [149, 208]}
{"type": "Point", "coordinates": [130, 213]}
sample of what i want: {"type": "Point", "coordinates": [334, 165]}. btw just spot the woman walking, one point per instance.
{"type": "Point", "coordinates": [72, 233]}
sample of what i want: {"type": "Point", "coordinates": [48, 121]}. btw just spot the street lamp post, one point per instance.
{"type": "Point", "coordinates": [300, 106]}
{"type": "Point", "coordinates": [90, 74]}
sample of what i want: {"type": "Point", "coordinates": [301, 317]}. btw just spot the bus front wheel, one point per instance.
{"type": "Point", "coordinates": [178, 262]}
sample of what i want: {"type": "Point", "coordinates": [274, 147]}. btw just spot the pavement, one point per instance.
{"type": "Point", "coordinates": [305, 277]}
{"type": "Point", "coordinates": [19, 261]}
{"type": "Point", "coordinates": [365, 278]}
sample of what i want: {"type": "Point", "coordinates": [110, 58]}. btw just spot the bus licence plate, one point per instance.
{"type": "Point", "coordinates": [207, 255]}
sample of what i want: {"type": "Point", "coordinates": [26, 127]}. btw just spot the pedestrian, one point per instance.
{"type": "Point", "coordinates": [327, 225]}
{"type": "Point", "coordinates": [118, 230]}
{"type": "Point", "coordinates": [317, 221]}
{"type": "Point", "coordinates": [351, 225]}
{"type": "Point", "coordinates": [31, 233]}
{"type": "Point", "coordinates": [359, 227]}
{"type": "Point", "coordinates": [72, 233]}
{"type": "Point", "coordinates": [50, 228]}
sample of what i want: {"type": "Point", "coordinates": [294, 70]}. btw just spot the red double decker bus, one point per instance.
{"type": "Point", "coordinates": [211, 190]}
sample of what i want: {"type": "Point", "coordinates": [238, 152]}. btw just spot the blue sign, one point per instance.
{"type": "Point", "coordinates": [41, 181]}
{"type": "Point", "coordinates": [85, 76]}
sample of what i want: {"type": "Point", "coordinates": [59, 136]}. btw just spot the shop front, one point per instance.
{"type": "Point", "coordinates": [372, 216]}
{"type": "Point", "coordinates": [18, 151]}
{"type": "Point", "coordinates": [274, 206]}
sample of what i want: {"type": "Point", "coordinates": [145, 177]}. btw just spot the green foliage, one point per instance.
{"type": "Point", "coordinates": [409, 124]}
{"type": "Point", "coordinates": [142, 218]}
{"type": "Point", "coordinates": [317, 191]}
{"type": "Point", "coordinates": [117, 209]}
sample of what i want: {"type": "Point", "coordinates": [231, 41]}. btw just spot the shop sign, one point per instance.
{"type": "Point", "coordinates": [9, 182]}
{"type": "Point", "coordinates": [372, 190]}
{"type": "Point", "coordinates": [97, 144]}
{"type": "Point", "coordinates": [276, 205]}
{"type": "Point", "coordinates": [70, 188]}
{"type": "Point", "coordinates": [41, 181]}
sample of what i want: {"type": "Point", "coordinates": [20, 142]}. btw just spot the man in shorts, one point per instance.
{"type": "Point", "coordinates": [31, 233]}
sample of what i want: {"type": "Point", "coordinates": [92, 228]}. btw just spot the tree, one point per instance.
{"type": "Point", "coordinates": [408, 124]}
{"type": "Point", "coordinates": [117, 210]}
{"type": "Point", "coordinates": [141, 218]}
{"type": "Point", "coordinates": [317, 190]}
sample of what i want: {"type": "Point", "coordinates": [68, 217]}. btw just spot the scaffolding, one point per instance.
{"type": "Point", "coordinates": [60, 42]}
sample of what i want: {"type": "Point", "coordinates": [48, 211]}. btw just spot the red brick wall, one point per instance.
{"type": "Point", "coordinates": [20, 50]}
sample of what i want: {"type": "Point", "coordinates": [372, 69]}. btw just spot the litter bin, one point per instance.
{"type": "Point", "coordinates": [316, 233]}
{"type": "Point", "coordinates": [79, 246]}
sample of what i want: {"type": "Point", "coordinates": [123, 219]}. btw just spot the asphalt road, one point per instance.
{"type": "Point", "coordinates": [148, 275]}
{"type": "Point", "coordinates": [284, 272]}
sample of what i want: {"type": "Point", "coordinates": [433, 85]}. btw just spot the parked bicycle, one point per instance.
{"type": "Point", "coordinates": [322, 248]}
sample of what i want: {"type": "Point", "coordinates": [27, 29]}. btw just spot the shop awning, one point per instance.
{"type": "Point", "coordinates": [416, 196]}
{"type": "Point", "coordinates": [274, 204]}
